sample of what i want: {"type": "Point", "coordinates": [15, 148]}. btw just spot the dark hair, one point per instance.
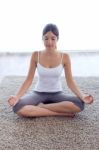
{"type": "Point", "coordinates": [51, 27]}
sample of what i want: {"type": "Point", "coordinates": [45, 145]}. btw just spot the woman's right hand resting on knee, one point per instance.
{"type": "Point", "coordinates": [13, 100]}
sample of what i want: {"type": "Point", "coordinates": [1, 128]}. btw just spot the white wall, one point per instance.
{"type": "Point", "coordinates": [22, 21]}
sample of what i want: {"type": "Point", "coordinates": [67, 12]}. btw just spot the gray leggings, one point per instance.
{"type": "Point", "coordinates": [44, 97]}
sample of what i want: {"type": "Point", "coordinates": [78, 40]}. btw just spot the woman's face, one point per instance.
{"type": "Point", "coordinates": [50, 40]}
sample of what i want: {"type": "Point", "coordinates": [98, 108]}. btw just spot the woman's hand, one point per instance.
{"type": "Point", "coordinates": [12, 100]}
{"type": "Point", "coordinates": [88, 99]}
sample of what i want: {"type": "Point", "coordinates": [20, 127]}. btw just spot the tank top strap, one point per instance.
{"type": "Point", "coordinates": [38, 56]}
{"type": "Point", "coordinates": [62, 57]}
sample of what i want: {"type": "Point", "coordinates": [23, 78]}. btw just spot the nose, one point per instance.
{"type": "Point", "coordinates": [49, 42]}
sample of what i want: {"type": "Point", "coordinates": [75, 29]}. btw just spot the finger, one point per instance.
{"type": "Point", "coordinates": [91, 97]}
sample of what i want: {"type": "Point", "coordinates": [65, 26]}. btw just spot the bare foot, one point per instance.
{"type": "Point", "coordinates": [60, 114]}
{"type": "Point", "coordinates": [41, 104]}
{"type": "Point", "coordinates": [88, 99]}
{"type": "Point", "coordinates": [69, 114]}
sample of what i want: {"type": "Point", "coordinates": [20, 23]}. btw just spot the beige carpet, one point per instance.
{"type": "Point", "coordinates": [49, 133]}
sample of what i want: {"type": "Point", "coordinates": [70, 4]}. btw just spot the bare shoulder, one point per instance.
{"type": "Point", "coordinates": [34, 56]}
{"type": "Point", "coordinates": [66, 58]}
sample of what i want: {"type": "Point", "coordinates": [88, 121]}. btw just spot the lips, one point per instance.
{"type": "Point", "coordinates": [49, 46]}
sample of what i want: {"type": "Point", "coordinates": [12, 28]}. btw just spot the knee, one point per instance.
{"type": "Point", "coordinates": [18, 106]}
{"type": "Point", "coordinates": [26, 110]}
{"type": "Point", "coordinates": [22, 111]}
{"type": "Point", "coordinates": [74, 107]}
{"type": "Point", "coordinates": [79, 108]}
{"type": "Point", "coordinates": [80, 105]}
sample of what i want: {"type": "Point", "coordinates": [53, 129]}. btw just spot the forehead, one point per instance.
{"type": "Point", "coordinates": [49, 34]}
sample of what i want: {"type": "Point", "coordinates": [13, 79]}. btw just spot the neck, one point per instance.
{"type": "Point", "coordinates": [51, 51]}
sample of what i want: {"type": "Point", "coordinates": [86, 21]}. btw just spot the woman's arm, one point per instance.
{"type": "Point", "coordinates": [71, 83]}
{"type": "Point", "coordinates": [13, 99]}
{"type": "Point", "coordinates": [26, 84]}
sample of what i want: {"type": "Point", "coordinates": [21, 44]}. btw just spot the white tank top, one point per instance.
{"type": "Point", "coordinates": [49, 79]}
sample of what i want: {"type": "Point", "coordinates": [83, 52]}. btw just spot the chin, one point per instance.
{"type": "Point", "coordinates": [50, 48]}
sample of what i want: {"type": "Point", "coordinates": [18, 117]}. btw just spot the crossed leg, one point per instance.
{"type": "Point", "coordinates": [38, 111]}
{"type": "Point", "coordinates": [55, 109]}
{"type": "Point", "coordinates": [29, 106]}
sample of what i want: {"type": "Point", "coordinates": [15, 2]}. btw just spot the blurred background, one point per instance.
{"type": "Point", "coordinates": [21, 25]}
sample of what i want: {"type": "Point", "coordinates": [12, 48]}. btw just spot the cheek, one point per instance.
{"type": "Point", "coordinates": [54, 43]}
{"type": "Point", "coordinates": [45, 42]}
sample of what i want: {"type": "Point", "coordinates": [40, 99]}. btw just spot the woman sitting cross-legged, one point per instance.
{"type": "Point", "coordinates": [48, 98]}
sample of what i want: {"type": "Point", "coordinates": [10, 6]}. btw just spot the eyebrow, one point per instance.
{"type": "Point", "coordinates": [51, 37]}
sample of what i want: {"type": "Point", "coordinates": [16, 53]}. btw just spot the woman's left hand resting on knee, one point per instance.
{"type": "Point", "coordinates": [88, 99]}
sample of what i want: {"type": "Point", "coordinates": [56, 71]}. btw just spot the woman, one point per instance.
{"type": "Point", "coordinates": [48, 99]}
